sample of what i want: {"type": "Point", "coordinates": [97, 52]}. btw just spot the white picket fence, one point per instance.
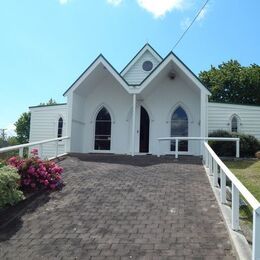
{"type": "Point", "coordinates": [39, 145]}
{"type": "Point", "coordinates": [217, 168]}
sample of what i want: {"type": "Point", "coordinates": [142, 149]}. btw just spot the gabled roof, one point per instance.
{"type": "Point", "coordinates": [172, 57]}
{"type": "Point", "coordinates": [147, 47]}
{"type": "Point", "coordinates": [99, 60]}
{"type": "Point", "coordinates": [137, 88]}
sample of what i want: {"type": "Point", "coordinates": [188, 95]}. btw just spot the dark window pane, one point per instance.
{"type": "Point", "coordinates": [179, 127]}
{"type": "Point", "coordinates": [103, 115]}
{"type": "Point", "coordinates": [103, 130]}
{"type": "Point", "coordinates": [234, 124]}
{"type": "Point", "coordinates": [60, 127]}
{"type": "Point", "coordinates": [147, 65]}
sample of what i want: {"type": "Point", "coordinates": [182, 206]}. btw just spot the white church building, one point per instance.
{"type": "Point", "coordinates": [126, 112]}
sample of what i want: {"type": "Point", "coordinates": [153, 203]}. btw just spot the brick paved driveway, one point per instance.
{"type": "Point", "coordinates": [118, 207]}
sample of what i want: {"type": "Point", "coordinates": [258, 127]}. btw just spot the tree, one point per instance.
{"type": "Point", "coordinates": [232, 83]}
{"type": "Point", "coordinates": [12, 140]}
{"type": "Point", "coordinates": [23, 128]}
{"type": "Point", "coordinates": [49, 103]}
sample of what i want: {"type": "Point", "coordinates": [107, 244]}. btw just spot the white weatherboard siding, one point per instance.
{"type": "Point", "coordinates": [136, 74]}
{"type": "Point", "coordinates": [219, 116]}
{"type": "Point", "coordinates": [44, 125]}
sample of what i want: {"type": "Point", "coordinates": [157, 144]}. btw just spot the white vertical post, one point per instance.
{"type": "Point", "coordinates": [40, 151]}
{"type": "Point", "coordinates": [210, 164]}
{"type": "Point", "coordinates": [237, 149]}
{"type": "Point", "coordinates": [69, 122]}
{"type": "Point", "coordinates": [223, 183]}
{"type": "Point", "coordinates": [158, 151]}
{"type": "Point", "coordinates": [21, 152]}
{"type": "Point", "coordinates": [207, 160]}
{"type": "Point", "coordinates": [235, 208]}
{"type": "Point", "coordinates": [256, 235]}
{"type": "Point", "coordinates": [215, 173]}
{"type": "Point", "coordinates": [176, 148]}
{"type": "Point", "coordinates": [207, 157]}
{"type": "Point", "coordinates": [202, 119]}
{"type": "Point", "coordinates": [56, 148]}
{"type": "Point", "coordinates": [133, 124]}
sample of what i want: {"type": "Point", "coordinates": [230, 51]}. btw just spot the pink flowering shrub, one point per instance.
{"type": "Point", "coordinates": [37, 173]}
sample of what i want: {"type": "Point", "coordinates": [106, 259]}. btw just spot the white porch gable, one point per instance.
{"type": "Point", "coordinates": [134, 73]}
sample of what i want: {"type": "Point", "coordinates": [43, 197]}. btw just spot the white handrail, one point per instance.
{"type": "Point", "coordinates": [199, 138]}
{"type": "Point", "coordinates": [184, 138]}
{"type": "Point", "coordinates": [237, 188]}
{"type": "Point", "coordinates": [20, 147]}
{"type": "Point", "coordinates": [254, 203]}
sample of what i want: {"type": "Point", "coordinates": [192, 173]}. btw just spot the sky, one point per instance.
{"type": "Point", "coordinates": [46, 44]}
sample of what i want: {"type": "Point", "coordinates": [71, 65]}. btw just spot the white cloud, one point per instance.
{"type": "Point", "coordinates": [63, 2]}
{"type": "Point", "coordinates": [115, 2]}
{"type": "Point", "coordinates": [185, 23]}
{"type": "Point", "coordinates": [202, 14]}
{"type": "Point", "coordinates": [160, 7]}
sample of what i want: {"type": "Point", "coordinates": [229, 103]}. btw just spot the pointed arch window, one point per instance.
{"type": "Point", "coordinates": [234, 124]}
{"type": "Point", "coordinates": [103, 130]}
{"type": "Point", "coordinates": [60, 127]}
{"type": "Point", "coordinates": [179, 127]}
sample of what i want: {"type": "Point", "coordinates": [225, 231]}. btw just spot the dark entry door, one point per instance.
{"type": "Point", "coordinates": [144, 131]}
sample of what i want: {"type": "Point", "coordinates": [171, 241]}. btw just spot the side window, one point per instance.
{"type": "Point", "coordinates": [60, 127]}
{"type": "Point", "coordinates": [234, 124]}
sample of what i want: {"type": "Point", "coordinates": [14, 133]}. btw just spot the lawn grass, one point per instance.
{"type": "Point", "coordinates": [248, 172]}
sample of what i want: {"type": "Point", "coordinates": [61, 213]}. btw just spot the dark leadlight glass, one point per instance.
{"type": "Point", "coordinates": [103, 130]}
{"type": "Point", "coordinates": [179, 127]}
{"type": "Point", "coordinates": [60, 127]}
{"type": "Point", "coordinates": [234, 124]}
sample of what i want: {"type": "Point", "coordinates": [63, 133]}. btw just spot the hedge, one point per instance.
{"type": "Point", "coordinates": [249, 145]}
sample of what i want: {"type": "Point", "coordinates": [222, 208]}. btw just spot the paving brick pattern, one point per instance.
{"type": "Point", "coordinates": [119, 207]}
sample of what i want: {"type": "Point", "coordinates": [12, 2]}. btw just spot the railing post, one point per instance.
{"type": "Point", "coordinates": [21, 152]}
{"type": "Point", "coordinates": [207, 158]}
{"type": "Point", "coordinates": [215, 173]}
{"type": "Point", "coordinates": [28, 155]}
{"type": "Point", "coordinates": [176, 148]}
{"type": "Point", "coordinates": [158, 150]}
{"type": "Point", "coordinates": [237, 149]}
{"type": "Point", "coordinates": [235, 208]}
{"type": "Point", "coordinates": [223, 188]}
{"type": "Point", "coordinates": [256, 236]}
{"type": "Point", "coordinates": [210, 164]}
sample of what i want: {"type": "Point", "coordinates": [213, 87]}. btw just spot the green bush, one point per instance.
{"type": "Point", "coordinates": [1, 164]}
{"type": "Point", "coordinates": [9, 186]}
{"type": "Point", "coordinates": [249, 145]}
